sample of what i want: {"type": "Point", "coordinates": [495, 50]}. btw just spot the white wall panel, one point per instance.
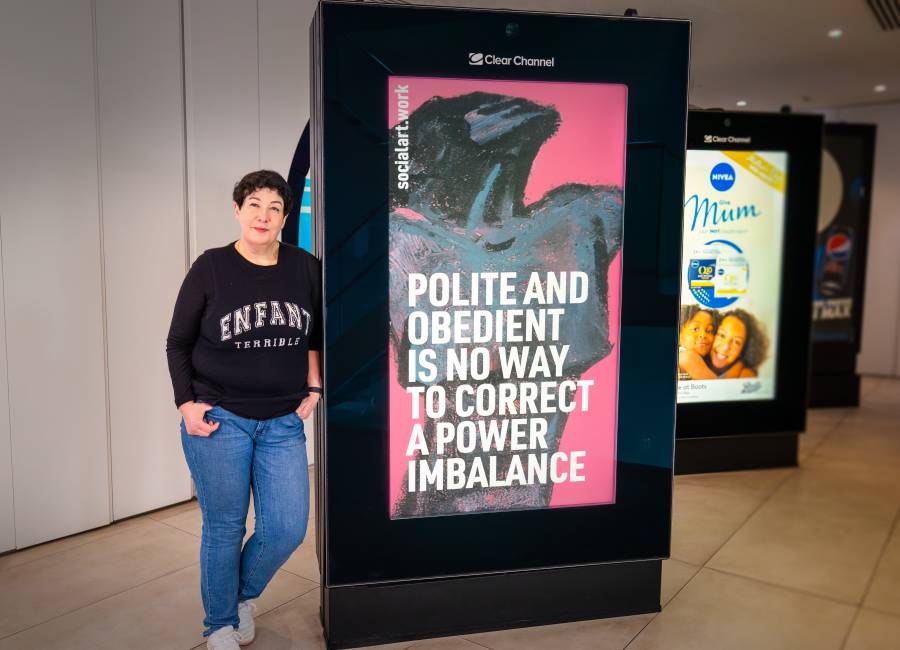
{"type": "Point", "coordinates": [141, 102]}
{"type": "Point", "coordinates": [52, 268]}
{"type": "Point", "coordinates": [222, 88]}
{"type": "Point", "coordinates": [880, 352]}
{"type": "Point", "coordinates": [283, 79]}
{"type": "Point", "coordinates": [7, 512]}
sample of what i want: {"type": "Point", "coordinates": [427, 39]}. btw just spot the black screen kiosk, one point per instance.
{"type": "Point", "coordinates": [848, 158]}
{"type": "Point", "coordinates": [750, 209]}
{"type": "Point", "coordinates": [492, 189]}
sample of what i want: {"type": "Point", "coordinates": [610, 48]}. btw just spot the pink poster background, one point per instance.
{"type": "Point", "coordinates": [589, 148]}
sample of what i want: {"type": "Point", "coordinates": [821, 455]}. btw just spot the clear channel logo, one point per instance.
{"type": "Point", "coordinates": [479, 58]}
{"type": "Point", "coordinates": [722, 177]}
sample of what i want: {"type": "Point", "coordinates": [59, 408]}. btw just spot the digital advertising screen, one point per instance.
{"type": "Point", "coordinates": [505, 273]}
{"type": "Point", "coordinates": [732, 257]}
{"type": "Point", "coordinates": [499, 312]}
{"type": "Point", "coordinates": [847, 159]}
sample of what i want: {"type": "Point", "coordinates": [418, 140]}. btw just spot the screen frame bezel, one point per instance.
{"type": "Point", "coordinates": [800, 137]}
{"type": "Point", "coordinates": [359, 543]}
{"type": "Point", "coordinates": [867, 134]}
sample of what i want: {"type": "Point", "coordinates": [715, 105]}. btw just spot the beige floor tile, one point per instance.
{"type": "Point", "coordinates": [675, 575]}
{"type": "Point", "coordinates": [190, 521]}
{"type": "Point", "coordinates": [163, 613]}
{"type": "Point", "coordinates": [869, 384]}
{"type": "Point", "coordinates": [874, 631]}
{"type": "Point", "coordinates": [884, 592]}
{"type": "Point", "coordinates": [888, 390]}
{"type": "Point", "coordinates": [304, 562]}
{"type": "Point", "coordinates": [809, 441]}
{"type": "Point", "coordinates": [824, 419]}
{"type": "Point", "coordinates": [873, 419]}
{"type": "Point", "coordinates": [819, 425]}
{"type": "Point", "coordinates": [882, 476]}
{"type": "Point", "coordinates": [292, 626]}
{"type": "Point", "coordinates": [821, 532]}
{"type": "Point", "coordinates": [609, 633]}
{"type": "Point", "coordinates": [875, 413]}
{"type": "Point", "coordinates": [758, 483]}
{"type": "Point", "coordinates": [447, 643]}
{"type": "Point", "coordinates": [875, 444]}
{"type": "Point", "coordinates": [67, 543]}
{"type": "Point", "coordinates": [171, 511]}
{"type": "Point", "coordinates": [57, 584]}
{"type": "Point", "coordinates": [882, 388]}
{"type": "Point", "coordinates": [709, 508]}
{"type": "Point", "coordinates": [729, 613]}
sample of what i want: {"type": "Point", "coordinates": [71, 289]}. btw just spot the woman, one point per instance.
{"type": "Point", "coordinates": [739, 347]}
{"type": "Point", "coordinates": [243, 352]}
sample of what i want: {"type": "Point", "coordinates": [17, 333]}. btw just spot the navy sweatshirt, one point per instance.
{"type": "Point", "coordinates": [241, 333]}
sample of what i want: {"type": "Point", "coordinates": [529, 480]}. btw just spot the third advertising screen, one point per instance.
{"type": "Point", "coordinates": [731, 275]}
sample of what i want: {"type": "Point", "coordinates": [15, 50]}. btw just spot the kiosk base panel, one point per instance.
{"type": "Point", "coordinates": [730, 453]}
{"type": "Point", "coordinates": [360, 615]}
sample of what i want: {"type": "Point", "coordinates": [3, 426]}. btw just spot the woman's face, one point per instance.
{"type": "Point", "coordinates": [697, 333]}
{"type": "Point", "coordinates": [729, 342]}
{"type": "Point", "coordinates": [261, 216]}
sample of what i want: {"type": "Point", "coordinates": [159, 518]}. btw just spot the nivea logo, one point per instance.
{"type": "Point", "coordinates": [722, 177]}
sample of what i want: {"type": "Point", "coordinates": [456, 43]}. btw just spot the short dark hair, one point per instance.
{"type": "Point", "coordinates": [689, 311]}
{"type": "Point", "coordinates": [756, 347]}
{"type": "Point", "coordinates": [263, 179]}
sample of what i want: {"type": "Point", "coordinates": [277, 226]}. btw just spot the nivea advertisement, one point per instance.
{"type": "Point", "coordinates": [506, 206]}
{"type": "Point", "coordinates": [731, 275]}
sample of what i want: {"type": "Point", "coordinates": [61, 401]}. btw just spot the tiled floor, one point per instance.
{"type": "Point", "coordinates": [794, 559]}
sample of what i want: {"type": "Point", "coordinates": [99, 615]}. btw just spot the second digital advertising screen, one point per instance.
{"type": "Point", "coordinates": [732, 257]}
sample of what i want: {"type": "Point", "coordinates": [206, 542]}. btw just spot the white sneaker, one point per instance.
{"type": "Point", "coordinates": [247, 631]}
{"type": "Point", "coordinates": [225, 638]}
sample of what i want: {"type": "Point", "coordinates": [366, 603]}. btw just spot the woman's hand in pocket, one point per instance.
{"type": "Point", "coordinates": [194, 419]}
{"type": "Point", "coordinates": [307, 405]}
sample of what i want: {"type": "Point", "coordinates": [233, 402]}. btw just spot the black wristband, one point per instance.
{"type": "Point", "coordinates": [316, 389]}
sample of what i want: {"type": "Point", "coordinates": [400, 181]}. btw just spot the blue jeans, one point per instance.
{"type": "Point", "coordinates": [270, 457]}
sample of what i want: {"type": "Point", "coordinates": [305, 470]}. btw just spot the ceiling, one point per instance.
{"type": "Point", "coordinates": [766, 52]}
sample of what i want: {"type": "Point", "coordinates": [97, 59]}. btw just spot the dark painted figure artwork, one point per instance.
{"type": "Point", "coordinates": [464, 211]}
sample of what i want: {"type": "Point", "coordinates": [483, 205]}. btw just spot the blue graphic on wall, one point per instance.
{"type": "Point", "coordinates": [718, 274]}
{"type": "Point", "coordinates": [298, 228]}
{"type": "Point", "coordinates": [304, 230]}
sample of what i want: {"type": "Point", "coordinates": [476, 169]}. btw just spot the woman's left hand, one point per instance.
{"type": "Point", "coordinates": [307, 405]}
